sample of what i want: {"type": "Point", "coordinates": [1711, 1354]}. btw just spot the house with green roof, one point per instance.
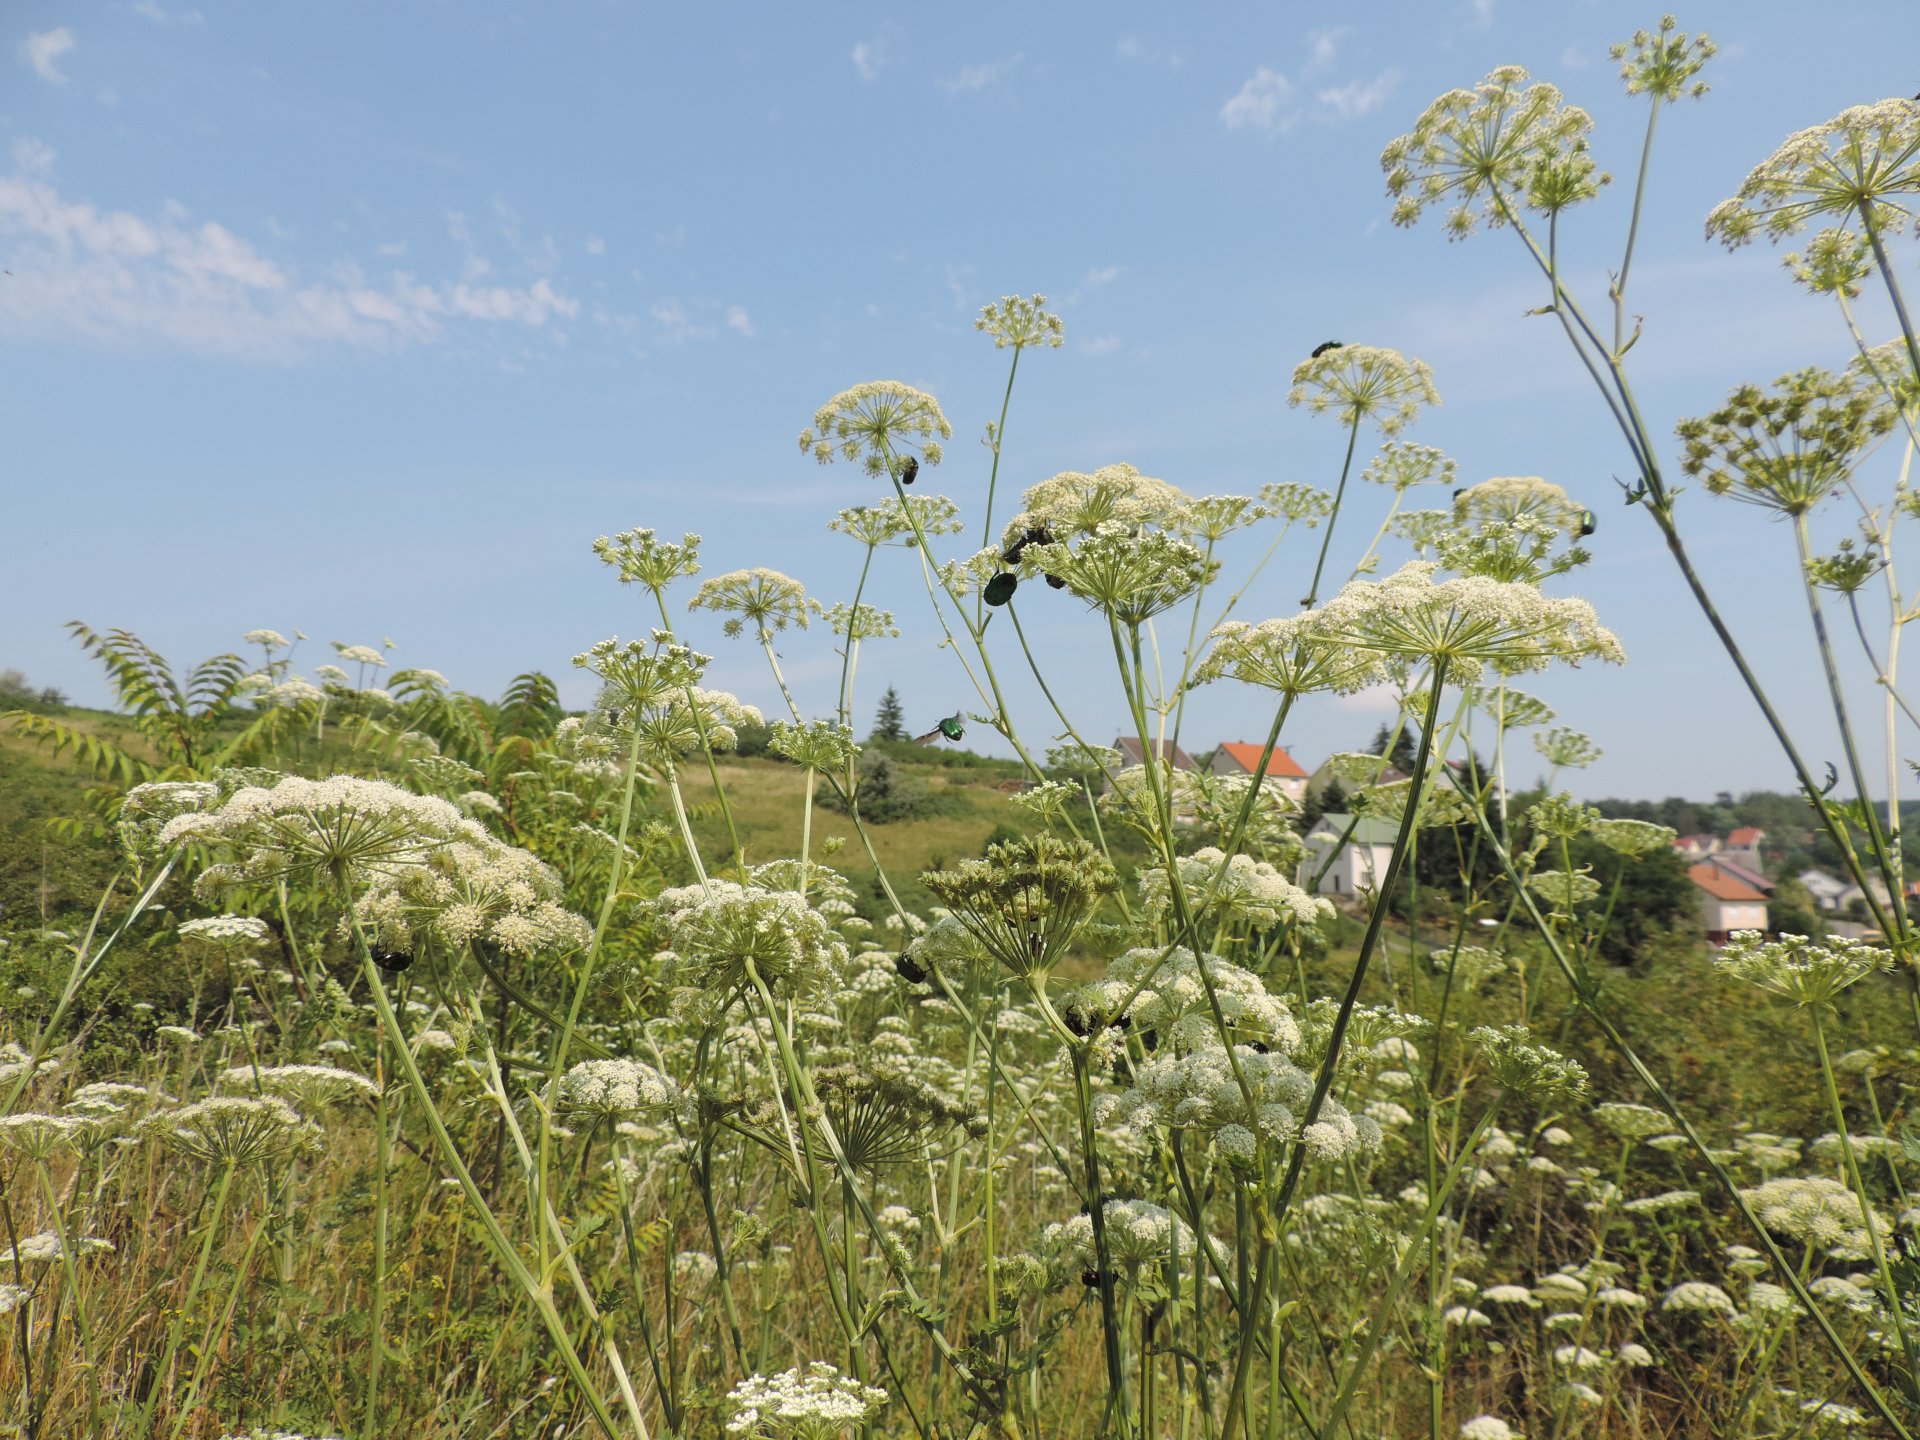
{"type": "Point", "coordinates": [1347, 853]}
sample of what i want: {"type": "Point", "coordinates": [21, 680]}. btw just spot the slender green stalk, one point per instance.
{"type": "Point", "coordinates": [1402, 1272]}
{"type": "Point", "coordinates": [1762, 1238]}
{"type": "Point", "coordinates": [1337, 1035]}
{"type": "Point", "coordinates": [1313, 591]}
{"type": "Point", "coordinates": [538, 1290]}
{"type": "Point", "coordinates": [209, 1229]}
{"type": "Point", "coordinates": [377, 1318]}
{"type": "Point", "coordinates": [1851, 1163]}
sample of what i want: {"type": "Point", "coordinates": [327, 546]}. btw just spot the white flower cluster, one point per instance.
{"type": "Point", "coordinates": [720, 931]}
{"type": "Point", "coordinates": [236, 1130]}
{"type": "Point", "coordinates": [1078, 503]}
{"type": "Point", "coordinates": [1818, 1211]}
{"type": "Point", "coordinates": [1487, 151]}
{"type": "Point", "coordinates": [1863, 157]}
{"type": "Point", "coordinates": [1138, 1234]}
{"type": "Point", "coordinates": [817, 1403]}
{"type": "Point", "coordinates": [1200, 1091]}
{"type": "Point", "coordinates": [616, 1089]}
{"type": "Point", "coordinates": [310, 1085]}
{"type": "Point", "coordinates": [45, 1248]}
{"type": "Point", "coordinates": [878, 423]}
{"type": "Point", "coordinates": [1807, 972]}
{"type": "Point", "coordinates": [1169, 1001]}
{"type": "Point", "coordinates": [226, 927]}
{"type": "Point", "coordinates": [1233, 887]}
{"type": "Point", "coordinates": [1699, 1297]}
{"type": "Point", "coordinates": [768, 598]}
{"type": "Point", "coordinates": [1470, 622]}
{"type": "Point", "coordinates": [1364, 382]}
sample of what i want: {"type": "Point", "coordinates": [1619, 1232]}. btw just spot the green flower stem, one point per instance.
{"type": "Point", "coordinates": [1618, 290]}
{"type": "Point", "coordinates": [563, 1258]}
{"type": "Point", "coordinates": [844, 1300]}
{"type": "Point", "coordinates": [1330, 1065]}
{"type": "Point", "coordinates": [1402, 1272]}
{"type": "Point", "coordinates": [1618, 396]}
{"type": "Point", "coordinates": [806, 834]}
{"type": "Point", "coordinates": [377, 1319]}
{"type": "Point", "coordinates": [915, 1303]}
{"type": "Point", "coordinates": [220, 1326]}
{"type": "Point", "coordinates": [1252, 1293]}
{"type": "Point", "coordinates": [1366, 556]}
{"type": "Point", "coordinates": [209, 1229]}
{"type": "Point", "coordinates": [1588, 1002]}
{"type": "Point", "coordinates": [1893, 285]}
{"type": "Point", "coordinates": [999, 439]}
{"type": "Point", "coordinates": [585, 980]}
{"type": "Point", "coordinates": [1117, 1397]}
{"type": "Point", "coordinates": [89, 1353]}
{"type": "Point", "coordinates": [706, 747]}
{"type": "Point", "coordinates": [1852, 1162]}
{"type": "Point", "coordinates": [86, 964]}
{"type": "Point", "coordinates": [1326, 541]}
{"type": "Point", "coordinates": [1886, 858]}
{"type": "Point", "coordinates": [539, 1291]}
{"type": "Point", "coordinates": [847, 657]}
{"type": "Point", "coordinates": [663, 1380]}
{"type": "Point", "coordinates": [773, 661]}
{"type": "Point", "coordinates": [1252, 575]}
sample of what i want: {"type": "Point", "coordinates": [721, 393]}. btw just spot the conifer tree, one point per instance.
{"type": "Point", "coordinates": [891, 721]}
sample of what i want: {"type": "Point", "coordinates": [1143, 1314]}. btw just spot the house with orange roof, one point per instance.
{"type": "Point", "coordinates": [1283, 772]}
{"type": "Point", "coordinates": [1743, 845]}
{"type": "Point", "coordinates": [1727, 904]}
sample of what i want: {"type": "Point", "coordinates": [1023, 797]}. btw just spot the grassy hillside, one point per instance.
{"type": "Point", "coordinates": [963, 811]}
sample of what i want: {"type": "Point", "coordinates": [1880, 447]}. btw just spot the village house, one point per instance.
{"type": "Point", "coordinates": [1743, 845]}
{"type": "Point", "coordinates": [1697, 847]}
{"type": "Point", "coordinates": [1730, 864]}
{"type": "Point", "coordinates": [1727, 904]}
{"type": "Point", "coordinates": [1828, 893]}
{"type": "Point", "coordinates": [1362, 849]}
{"type": "Point", "coordinates": [1133, 752]}
{"type": "Point", "coordinates": [1283, 772]}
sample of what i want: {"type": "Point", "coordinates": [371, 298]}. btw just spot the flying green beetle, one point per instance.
{"type": "Point", "coordinates": [954, 727]}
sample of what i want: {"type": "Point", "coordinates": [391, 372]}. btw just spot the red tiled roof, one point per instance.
{"type": "Point", "coordinates": [1279, 763]}
{"type": "Point", "coordinates": [1745, 836]}
{"type": "Point", "coordinates": [1723, 886]}
{"type": "Point", "coordinates": [1745, 874]}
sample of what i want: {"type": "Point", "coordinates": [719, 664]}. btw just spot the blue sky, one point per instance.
{"type": "Point", "coordinates": [365, 319]}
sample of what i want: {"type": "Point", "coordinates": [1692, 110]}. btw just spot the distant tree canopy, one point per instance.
{"type": "Point", "coordinates": [890, 723]}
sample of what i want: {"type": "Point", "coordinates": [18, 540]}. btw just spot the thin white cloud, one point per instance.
{"type": "Point", "coordinates": [32, 157]}
{"type": "Point", "coordinates": [1323, 45]}
{"type": "Point", "coordinates": [740, 322]}
{"type": "Point", "coordinates": [972, 79]}
{"type": "Point", "coordinates": [1133, 48]}
{"type": "Point", "coordinates": [1482, 13]}
{"type": "Point", "coordinates": [161, 16]}
{"type": "Point", "coordinates": [676, 325]}
{"type": "Point", "coordinates": [1097, 345]}
{"type": "Point", "coordinates": [115, 277]}
{"type": "Point", "coordinates": [596, 246]}
{"type": "Point", "coordinates": [1573, 58]}
{"type": "Point", "coordinates": [870, 57]}
{"type": "Point", "coordinates": [1262, 104]}
{"type": "Point", "coordinates": [43, 52]}
{"type": "Point", "coordinates": [1358, 98]}
{"type": "Point", "coordinates": [1105, 275]}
